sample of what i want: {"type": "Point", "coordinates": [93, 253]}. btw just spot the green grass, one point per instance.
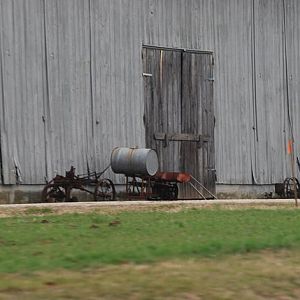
{"type": "Point", "coordinates": [76, 241]}
{"type": "Point", "coordinates": [37, 211]}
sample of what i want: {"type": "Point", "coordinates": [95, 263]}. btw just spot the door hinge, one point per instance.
{"type": "Point", "coordinates": [147, 75]}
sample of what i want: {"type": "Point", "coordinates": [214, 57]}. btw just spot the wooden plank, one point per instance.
{"type": "Point", "coordinates": [293, 72]}
{"type": "Point", "coordinates": [70, 111]}
{"type": "Point", "coordinates": [162, 92]}
{"type": "Point", "coordinates": [198, 118]}
{"type": "Point", "coordinates": [178, 49]}
{"type": "Point", "coordinates": [190, 153]}
{"type": "Point", "coordinates": [209, 109]}
{"type": "Point", "coordinates": [188, 137]}
{"type": "Point", "coordinates": [23, 78]}
{"type": "Point", "coordinates": [271, 91]}
{"type": "Point", "coordinates": [1, 103]}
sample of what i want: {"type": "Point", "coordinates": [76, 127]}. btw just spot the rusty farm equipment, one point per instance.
{"type": "Point", "coordinates": [161, 186]}
{"type": "Point", "coordinates": [60, 188]}
{"type": "Point", "coordinates": [287, 188]}
{"type": "Point", "coordinates": [142, 180]}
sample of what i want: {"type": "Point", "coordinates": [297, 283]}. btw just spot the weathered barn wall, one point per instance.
{"type": "Point", "coordinates": [71, 84]}
{"type": "Point", "coordinates": [23, 91]}
{"type": "Point", "coordinates": [68, 105]}
{"type": "Point", "coordinates": [292, 29]}
{"type": "Point", "coordinates": [117, 87]}
{"type": "Point", "coordinates": [233, 22]}
{"type": "Point", "coordinates": [270, 87]}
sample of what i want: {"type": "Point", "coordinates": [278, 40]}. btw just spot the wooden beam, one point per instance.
{"type": "Point", "coordinates": [187, 137]}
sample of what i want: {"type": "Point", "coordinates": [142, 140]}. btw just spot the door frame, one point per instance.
{"type": "Point", "coordinates": [182, 51]}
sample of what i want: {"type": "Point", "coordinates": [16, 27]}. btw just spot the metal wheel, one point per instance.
{"type": "Point", "coordinates": [165, 191]}
{"type": "Point", "coordinates": [104, 190]}
{"type": "Point", "coordinates": [55, 193]}
{"type": "Point", "coordinates": [289, 190]}
{"type": "Point", "coordinates": [169, 192]}
{"type": "Point", "coordinates": [173, 192]}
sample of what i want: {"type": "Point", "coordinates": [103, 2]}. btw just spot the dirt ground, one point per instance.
{"type": "Point", "coordinates": [118, 206]}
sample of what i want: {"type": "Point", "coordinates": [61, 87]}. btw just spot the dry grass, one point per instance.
{"type": "Point", "coordinates": [263, 275]}
{"type": "Point", "coordinates": [6, 211]}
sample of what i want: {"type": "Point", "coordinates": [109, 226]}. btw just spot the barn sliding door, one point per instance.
{"type": "Point", "coordinates": [179, 118]}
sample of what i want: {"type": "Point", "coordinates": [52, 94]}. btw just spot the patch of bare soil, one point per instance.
{"type": "Point", "coordinates": [115, 207]}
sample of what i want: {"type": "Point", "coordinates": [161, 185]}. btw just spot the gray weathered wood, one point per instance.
{"type": "Point", "coordinates": [162, 103]}
{"type": "Point", "coordinates": [23, 78]}
{"type": "Point", "coordinates": [173, 137]}
{"type": "Point", "coordinates": [77, 63]}
{"type": "Point", "coordinates": [188, 137]}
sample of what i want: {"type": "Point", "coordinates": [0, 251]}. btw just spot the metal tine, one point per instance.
{"type": "Point", "coordinates": [204, 187]}
{"type": "Point", "coordinates": [96, 174]}
{"type": "Point", "coordinates": [193, 186]}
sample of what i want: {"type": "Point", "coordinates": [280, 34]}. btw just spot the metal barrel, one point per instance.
{"type": "Point", "coordinates": [134, 162]}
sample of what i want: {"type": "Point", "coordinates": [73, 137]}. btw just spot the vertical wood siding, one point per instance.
{"type": "Point", "coordinates": [271, 96]}
{"type": "Point", "coordinates": [233, 90]}
{"type": "Point", "coordinates": [68, 103]}
{"type": "Point", "coordinates": [292, 28]}
{"type": "Point", "coordinates": [23, 91]}
{"type": "Point", "coordinates": [71, 84]}
{"type": "Point", "coordinates": [116, 71]}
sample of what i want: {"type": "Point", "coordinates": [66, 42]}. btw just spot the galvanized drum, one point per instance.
{"type": "Point", "coordinates": [134, 162]}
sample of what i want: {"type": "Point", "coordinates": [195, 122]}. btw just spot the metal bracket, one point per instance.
{"type": "Point", "coordinates": [147, 75]}
{"type": "Point", "coordinates": [166, 141]}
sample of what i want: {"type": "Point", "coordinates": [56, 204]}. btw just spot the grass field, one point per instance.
{"type": "Point", "coordinates": [193, 253]}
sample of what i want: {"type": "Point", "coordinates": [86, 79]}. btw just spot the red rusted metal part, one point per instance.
{"type": "Point", "coordinates": [180, 177]}
{"type": "Point", "coordinates": [163, 185]}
